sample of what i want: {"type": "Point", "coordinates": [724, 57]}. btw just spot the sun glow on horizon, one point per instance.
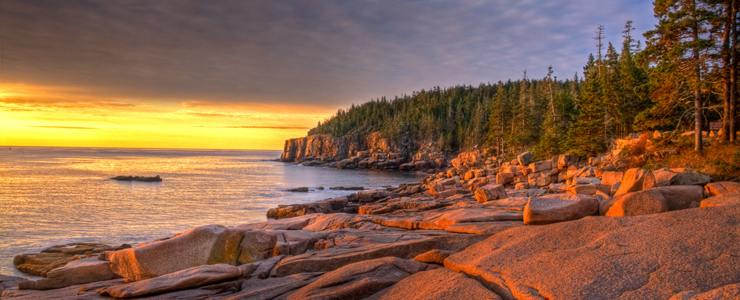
{"type": "Point", "coordinates": [68, 117]}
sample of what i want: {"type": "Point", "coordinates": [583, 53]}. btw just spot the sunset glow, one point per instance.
{"type": "Point", "coordinates": [53, 116]}
{"type": "Point", "coordinates": [251, 74]}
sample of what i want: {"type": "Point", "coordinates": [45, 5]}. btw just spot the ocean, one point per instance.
{"type": "Point", "coordinates": [52, 196]}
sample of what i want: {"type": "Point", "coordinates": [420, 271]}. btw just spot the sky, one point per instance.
{"type": "Point", "coordinates": [250, 74]}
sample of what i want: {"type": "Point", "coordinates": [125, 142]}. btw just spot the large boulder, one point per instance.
{"type": "Point", "coordinates": [637, 203]}
{"type": "Point", "coordinates": [504, 177]}
{"type": "Point", "coordinates": [685, 176]}
{"type": "Point", "coordinates": [588, 189]}
{"type": "Point", "coordinates": [490, 192]}
{"type": "Point", "coordinates": [663, 177]}
{"type": "Point", "coordinates": [211, 244]}
{"type": "Point", "coordinates": [439, 284]}
{"type": "Point", "coordinates": [540, 166]}
{"type": "Point", "coordinates": [643, 257]}
{"type": "Point", "coordinates": [611, 177]}
{"type": "Point", "coordinates": [636, 180]}
{"type": "Point", "coordinates": [524, 158]}
{"type": "Point", "coordinates": [558, 208]}
{"type": "Point", "coordinates": [679, 176]}
{"type": "Point", "coordinates": [723, 187]}
{"type": "Point", "coordinates": [359, 280]}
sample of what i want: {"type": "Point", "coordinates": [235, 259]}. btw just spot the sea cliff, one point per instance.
{"type": "Point", "coordinates": [369, 151]}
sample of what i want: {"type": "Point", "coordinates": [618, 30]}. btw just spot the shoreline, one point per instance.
{"type": "Point", "coordinates": [428, 230]}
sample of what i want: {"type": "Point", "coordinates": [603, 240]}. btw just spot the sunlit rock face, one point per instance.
{"type": "Point", "coordinates": [645, 257]}
{"type": "Point", "coordinates": [203, 245]}
{"type": "Point", "coordinates": [362, 151]}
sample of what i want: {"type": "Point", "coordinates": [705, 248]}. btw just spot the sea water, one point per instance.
{"type": "Point", "coordinates": [53, 196]}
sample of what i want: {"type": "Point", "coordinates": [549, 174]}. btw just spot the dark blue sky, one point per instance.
{"type": "Point", "coordinates": [313, 53]}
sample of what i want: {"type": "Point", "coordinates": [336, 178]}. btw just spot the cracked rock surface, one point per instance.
{"type": "Point", "coordinates": [641, 257]}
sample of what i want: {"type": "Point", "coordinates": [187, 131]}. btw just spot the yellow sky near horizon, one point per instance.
{"type": "Point", "coordinates": [75, 117]}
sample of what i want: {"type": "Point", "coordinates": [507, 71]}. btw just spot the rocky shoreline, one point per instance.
{"type": "Point", "coordinates": [483, 229]}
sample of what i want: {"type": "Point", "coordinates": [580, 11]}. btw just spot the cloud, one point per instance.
{"type": "Point", "coordinates": [54, 103]}
{"type": "Point", "coordinates": [314, 53]}
{"type": "Point", "coordinates": [63, 127]}
{"type": "Point", "coordinates": [21, 97]}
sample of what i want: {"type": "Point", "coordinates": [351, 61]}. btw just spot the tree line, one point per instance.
{"type": "Point", "coordinates": [684, 76]}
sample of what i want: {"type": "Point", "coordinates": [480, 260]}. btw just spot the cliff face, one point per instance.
{"type": "Point", "coordinates": [370, 151]}
{"type": "Point", "coordinates": [326, 148]}
{"type": "Point", "coordinates": [319, 147]}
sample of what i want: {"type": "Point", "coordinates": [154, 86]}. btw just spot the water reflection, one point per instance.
{"type": "Point", "coordinates": [55, 196]}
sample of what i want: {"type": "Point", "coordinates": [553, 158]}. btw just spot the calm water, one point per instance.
{"type": "Point", "coordinates": [51, 196]}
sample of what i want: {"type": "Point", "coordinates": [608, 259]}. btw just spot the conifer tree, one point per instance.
{"type": "Point", "coordinates": [677, 47]}
{"type": "Point", "coordinates": [586, 135]}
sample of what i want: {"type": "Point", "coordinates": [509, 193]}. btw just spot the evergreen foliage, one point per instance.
{"type": "Point", "coordinates": [686, 57]}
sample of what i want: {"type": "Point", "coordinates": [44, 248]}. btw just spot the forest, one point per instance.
{"type": "Point", "coordinates": [682, 78]}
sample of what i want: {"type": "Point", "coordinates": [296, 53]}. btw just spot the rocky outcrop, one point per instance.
{"type": "Point", "coordinates": [558, 208]}
{"type": "Point", "coordinates": [326, 148]}
{"type": "Point", "coordinates": [361, 245]}
{"type": "Point", "coordinates": [314, 147]}
{"type": "Point", "coordinates": [645, 257]}
{"type": "Point", "coordinates": [635, 180]}
{"type": "Point", "coordinates": [490, 192]}
{"type": "Point", "coordinates": [138, 178]}
{"type": "Point", "coordinates": [199, 246]}
{"type": "Point", "coordinates": [637, 203]}
{"type": "Point", "coordinates": [370, 151]}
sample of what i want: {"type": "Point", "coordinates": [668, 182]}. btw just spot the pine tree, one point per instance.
{"type": "Point", "coordinates": [633, 80]}
{"type": "Point", "coordinates": [586, 136]}
{"type": "Point", "coordinates": [677, 46]}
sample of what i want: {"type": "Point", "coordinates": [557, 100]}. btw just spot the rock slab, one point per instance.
{"type": "Point", "coordinates": [439, 284]}
{"type": "Point", "coordinates": [189, 278]}
{"type": "Point", "coordinates": [558, 208]}
{"type": "Point", "coordinates": [635, 180]}
{"type": "Point", "coordinates": [610, 258]}
{"type": "Point", "coordinates": [211, 244]}
{"type": "Point", "coordinates": [359, 280]}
